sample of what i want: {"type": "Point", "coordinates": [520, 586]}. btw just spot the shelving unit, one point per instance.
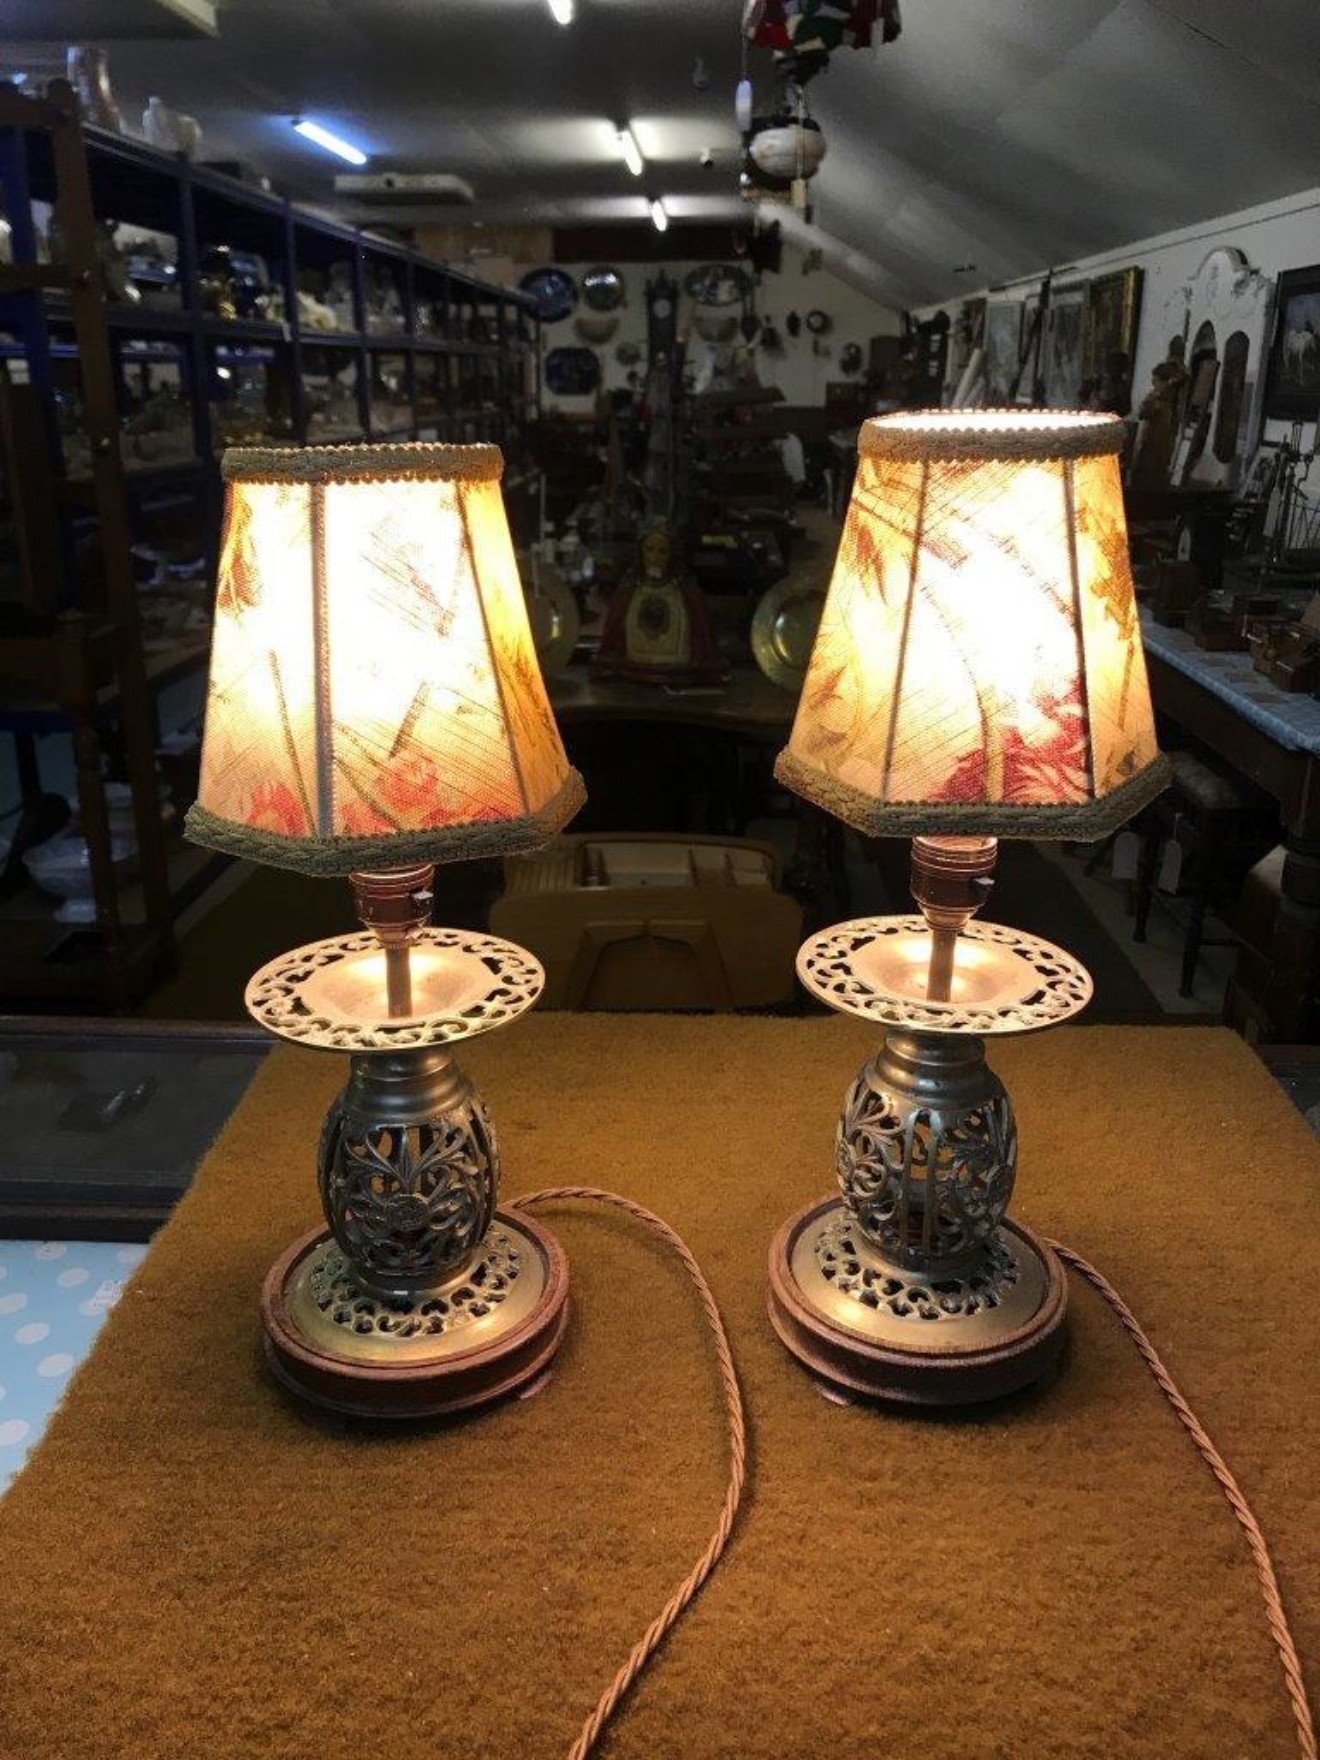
{"type": "Point", "coordinates": [90, 482]}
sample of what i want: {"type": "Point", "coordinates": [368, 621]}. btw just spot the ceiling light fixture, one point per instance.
{"type": "Point", "coordinates": [659, 218]}
{"type": "Point", "coordinates": [331, 143]}
{"type": "Point", "coordinates": [562, 10]}
{"type": "Point", "coordinates": [632, 153]}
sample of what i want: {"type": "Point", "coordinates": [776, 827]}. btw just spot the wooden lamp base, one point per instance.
{"type": "Point", "coordinates": [490, 1332]}
{"type": "Point", "coordinates": [875, 1333]}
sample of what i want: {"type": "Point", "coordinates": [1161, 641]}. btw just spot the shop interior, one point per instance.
{"type": "Point", "coordinates": [688, 514]}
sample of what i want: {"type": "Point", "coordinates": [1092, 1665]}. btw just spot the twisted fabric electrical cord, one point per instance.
{"type": "Point", "coordinates": [687, 1590]}
{"type": "Point", "coordinates": [1269, 1583]}
{"type": "Point", "coordinates": [673, 1609]}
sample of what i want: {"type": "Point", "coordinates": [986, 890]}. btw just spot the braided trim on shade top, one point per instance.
{"type": "Point", "coordinates": [479, 840]}
{"type": "Point", "coordinates": [420, 460]}
{"type": "Point", "coordinates": [1074, 822]}
{"type": "Point", "coordinates": [995, 435]}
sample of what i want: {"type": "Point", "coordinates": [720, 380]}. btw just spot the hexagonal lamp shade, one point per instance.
{"type": "Point", "coordinates": [374, 695]}
{"type": "Point", "coordinates": [979, 666]}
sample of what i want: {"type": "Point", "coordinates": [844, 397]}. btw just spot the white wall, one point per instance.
{"type": "Point", "coordinates": [1278, 235]}
{"type": "Point", "coordinates": [799, 372]}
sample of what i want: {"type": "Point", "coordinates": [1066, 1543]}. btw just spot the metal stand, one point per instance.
{"type": "Point", "coordinates": [913, 1285]}
{"type": "Point", "coordinates": [419, 1297]}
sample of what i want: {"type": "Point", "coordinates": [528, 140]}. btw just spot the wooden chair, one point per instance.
{"type": "Point", "coordinates": [1221, 824]}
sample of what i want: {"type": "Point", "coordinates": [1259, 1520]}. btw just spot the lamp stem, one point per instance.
{"type": "Point", "coordinates": [398, 979]}
{"type": "Point", "coordinates": [951, 880]}
{"type": "Point", "coordinates": [397, 905]}
{"type": "Point", "coordinates": [939, 974]}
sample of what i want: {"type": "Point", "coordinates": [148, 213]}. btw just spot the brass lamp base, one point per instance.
{"type": "Point", "coordinates": [914, 1284]}
{"type": "Point", "coordinates": [419, 1298]}
{"type": "Point", "coordinates": [875, 1332]}
{"type": "Point", "coordinates": [489, 1331]}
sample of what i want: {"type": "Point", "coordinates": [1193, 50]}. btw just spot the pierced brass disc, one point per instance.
{"type": "Point", "coordinates": [1004, 981]}
{"type": "Point", "coordinates": [333, 994]}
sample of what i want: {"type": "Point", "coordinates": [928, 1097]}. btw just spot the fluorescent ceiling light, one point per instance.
{"type": "Point", "coordinates": [632, 153]}
{"type": "Point", "coordinates": [659, 219]}
{"type": "Point", "coordinates": [561, 10]}
{"type": "Point", "coordinates": [313, 131]}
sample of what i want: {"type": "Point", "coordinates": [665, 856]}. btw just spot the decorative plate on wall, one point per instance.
{"type": "Point", "coordinates": [596, 326]}
{"type": "Point", "coordinates": [819, 323]}
{"type": "Point", "coordinates": [572, 372]}
{"type": "Point", "coordinates": [784, 631]}
{"type": "Point", "coordinates": [850, 357]}
{"type": "Point", "coordinates": [554, 291]}
{"type": "Point", "coordinates": [603, 289]}
{"type": "Point", "coordinates": [716, 284]}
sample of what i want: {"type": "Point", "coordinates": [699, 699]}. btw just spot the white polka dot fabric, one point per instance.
{"type": "Point", "coordinates": [54, 1296]}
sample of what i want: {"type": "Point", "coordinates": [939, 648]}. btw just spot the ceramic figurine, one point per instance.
{"type": "Point", "coordinates": [657, 628]}
{"type": "Point", "coordinates": [171, 130]}
{"type": "Point", "coordinates": [1158, 430]}
{"type": "Point", "coordinates": [88, 72]}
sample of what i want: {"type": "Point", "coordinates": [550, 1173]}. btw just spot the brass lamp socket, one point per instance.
{"type": "Point", "coordinates": [397, 905]}
{"type": "Point", "coordinates": [951, 877]}
{"type": "Point", "coordinates": [950, 881]}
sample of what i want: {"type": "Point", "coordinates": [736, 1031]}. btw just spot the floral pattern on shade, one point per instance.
{"type": "Point", "coordinates": [400, 695]}
{"type": "Point", "coordinates": [979, 643]}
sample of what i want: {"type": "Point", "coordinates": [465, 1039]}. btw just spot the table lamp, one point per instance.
{"type": "Point", "coordinates": [978, 673]}
{"type": "Point", "coordinates": [374, 707]}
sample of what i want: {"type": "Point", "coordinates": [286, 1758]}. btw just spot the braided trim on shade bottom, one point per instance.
{"type": "Point", "coordinates": [392, 462]}
{"type": "Point", "coordinates": [1080, 822]}
{"type": "Point", "coordinates": [337, 856]}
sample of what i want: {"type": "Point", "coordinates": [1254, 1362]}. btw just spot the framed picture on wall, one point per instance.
{"type": "Point", "coordinates": [1292, 378]}
{"type": "Point", "coordinates": [1002, 338]}
{"type": "Point", "coordinates": [1031, 351]}
{"type": "Point", "coordinates": [1113, 316]}
{"type": "Point", "coordinates": [1063, 366]}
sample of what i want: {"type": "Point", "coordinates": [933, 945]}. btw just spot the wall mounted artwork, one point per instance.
{"type": "Point", "coordinates": [1003, 337]}
{"type": "Point", "coordinates": [1063, 364]}
{"type": "Point", "coordinates": [1113, 318]}
{"type": "Point", "coordinates": [1292, 381]}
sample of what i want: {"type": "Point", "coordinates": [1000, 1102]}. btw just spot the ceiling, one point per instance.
{"type": "Point", "coordinates": [1008, 134]}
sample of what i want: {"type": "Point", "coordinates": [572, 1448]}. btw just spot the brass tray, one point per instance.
{"type": "Point", "coordinates": [784, 631]}
{"type": "Point", "coordinates": [556, 621]}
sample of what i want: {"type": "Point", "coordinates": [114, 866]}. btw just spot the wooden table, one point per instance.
{"type": "Point", "coordinates": [1273, 738]}
{"type": "Point", "coordinates": [194, 1567]}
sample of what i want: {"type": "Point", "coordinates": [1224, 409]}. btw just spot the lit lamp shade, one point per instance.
{"type": "Point", "coordinates": [978, 667]}
{"type": "Point", "coordinates": [374, 694]}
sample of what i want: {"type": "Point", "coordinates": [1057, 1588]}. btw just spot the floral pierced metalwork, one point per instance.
{"type": "Point", "coordinates": [341, 1297]}
{"type": "Point", "coordinates": [1053, 984]}
{"type": "Point", "coordinates": [288, 996]}
{"type": "Point", "coordinates": [842, 1256]}
{"type": "Point", "coordinates": [928, 1183]}
{"type": "Point", "coordinates": [409, 1199]}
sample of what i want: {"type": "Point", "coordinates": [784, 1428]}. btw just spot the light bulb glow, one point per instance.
{"type": "Point", "coordinates": [562, 10]}
{"type": "Point", "coordinates": [330, 143]}
{"type": "Point", "coordinates": [659, 218]}
{"type": "Point", "coordinates": [632, 153]}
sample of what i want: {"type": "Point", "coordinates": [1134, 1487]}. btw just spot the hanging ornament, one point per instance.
{"type": "Point", "coordinates": [806, 32]}
{"type": "Point", "coordinates": [787, 147]}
